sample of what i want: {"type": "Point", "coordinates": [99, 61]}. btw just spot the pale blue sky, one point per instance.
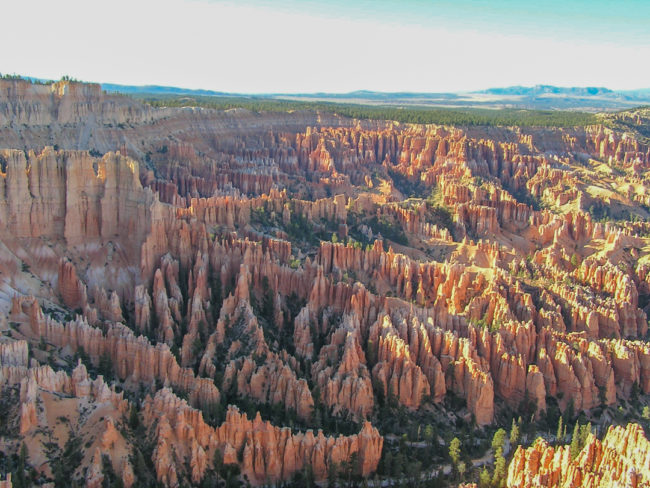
{"type": "Point", "coordinates": [253, 46]}
{"type": "Point", "coordinates": [623, 21]}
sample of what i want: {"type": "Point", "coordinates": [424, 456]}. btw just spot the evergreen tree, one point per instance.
{"type": "Point", "coordinates": [429, 434]}
{"type": "Point", "coordinates": [19, 479]}
{"type": "Point", "coordinates": [499, 476]}
{"type": "Point", "coordinates": [454, 450]}
{"type": "Point", "coordinates": [308, 480]}
{"type": "Point", "coordinates": [498, 440]}
{"type": "Point", "coordinates": [268, 307]}
{"type": "Point", "coordinates": [462, 468]}
{"type": "Point", "coordinates": [399, 463]}
{"type": "Point", "coordinates": [559, 436]}
{"type": "Point", "coordinates": [569, 412]}
{"type": "Point", "coordinates": [140, 469]}
{"type": "Point", "coordinates": [371, 353]}
{"type": "Point", "coordinates": [414, 473]}
{"type": "Point", "coordinates": [350, 468]}
{"type": "Point", "coordinates": [514, 434]}
{"type": "Point", "coordinates": [133, 418]}
{"type": "Point", "coordinates": [585, 430]}
{"type": "Point", "coordinates": [386, 462]}
{"type": "Point", "coordinates": [574, 449]}
{"type": "Point", "coordinates": [484, 479]}
{"type": "Point", "coordinates": [332, 475]}
{"type": "Point", "coordinates": [111, 479]}
{"type": "Point", "coordinates": [69, 460]}
{"type": "Point", "coordinates": [105, 367]}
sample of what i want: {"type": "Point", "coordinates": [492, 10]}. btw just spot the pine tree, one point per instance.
{"type": "Point", "coordinates": [499, 476]}
{"type": "Point", "coordinates": [133, 418]}
{"type": "Point", "coordinates": [429, 434]}
{"type": "Point", "coordinates": [141, 471]}
{"type": "Point", "coordinates": [484, 480]}
{"type": "Point", "coordinates": [574, 449]}
{"type": "Point", "coordinates": [19, 478]}
{"type": "Point", "coordinates": [386, 462]}
{"type": "Point", "coordinates": [514, 434]}
{"type": "Point", "coordinates": [462, 468]}
{"type": "Point", "coordinates": [332, 475]}
{"type": "Point", "coordinates": [569, 412]}
{"type": "Point", "coordinates": [308, 476]}
{"type": "Point", "coordinates": [585, 430]}
{"type": "Point", "coordinates": [454, 450]}
{"type": "Point", "coordinates": [399, 463]}
{"type": "Point", "coordinates": [105, 367]}
{"type": "Point", "coordinates": [268, 307]}
{"type": "Point", "coordinates": [371, 353]}
{"type": "Point", "coordinates": [217, 462]}
{"type": "Point", "coordinates": [559, 436]}
{"type": "Point", "coordinates": [498, 440]}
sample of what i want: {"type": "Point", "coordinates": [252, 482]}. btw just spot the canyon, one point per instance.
{"type": "Point", "coordinates": [192, 294]}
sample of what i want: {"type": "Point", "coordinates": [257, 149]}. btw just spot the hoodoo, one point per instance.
{"type": "Point", "coordinates": [200, 297]}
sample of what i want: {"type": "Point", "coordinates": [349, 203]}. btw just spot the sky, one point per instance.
{"type": "Point", "coordinates": [306, 46]}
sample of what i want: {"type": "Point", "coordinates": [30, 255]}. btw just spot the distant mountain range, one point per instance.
{"type": "Point", "coordinates": [540, 97]}
{"type": "Point", "coordinates": [161, 90]}
{"type": "Point", "coordinates": [537, 90]}
{"type": "Point", "coordinates": [573, 91]}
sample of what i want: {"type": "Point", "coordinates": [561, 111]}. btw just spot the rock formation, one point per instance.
{"type": "Point", "coordinates": [308, 265]}
{"type": "Point", "coordinates": [620, 459]}
{"type": "Point", "coordinates": [269, 453]}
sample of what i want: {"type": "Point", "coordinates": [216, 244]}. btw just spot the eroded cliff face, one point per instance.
{"type": "Point", "coordinates": [274, 262]}
{"type": "Point", "coordinates": [270, 453]}
{"type": "Point", "coordinates": [46, 402]}
{"type": "Point", "coordinates": [64, 103]}
{"type": "Point", "coordinates": [265, 452]}
{"type": "Point", "coordinates": [620, 459]}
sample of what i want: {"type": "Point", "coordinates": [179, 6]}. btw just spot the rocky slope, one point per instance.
{"type": "Point", "coordinates": [622, 458]}
{"type": "Point", "coordinates": [310, 270]}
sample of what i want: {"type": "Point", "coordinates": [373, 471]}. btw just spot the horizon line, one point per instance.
{"type": "Point", "coordinates": [320, 92]}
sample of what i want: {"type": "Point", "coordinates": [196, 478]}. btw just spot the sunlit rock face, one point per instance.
{"type": "Point", "coordinates": [237, 282]}
{"type": "Point", "coordinates": [620, 459]}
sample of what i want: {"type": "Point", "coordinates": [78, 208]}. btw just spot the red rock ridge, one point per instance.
{"type": "Point", "coordinates": [269, 453]}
